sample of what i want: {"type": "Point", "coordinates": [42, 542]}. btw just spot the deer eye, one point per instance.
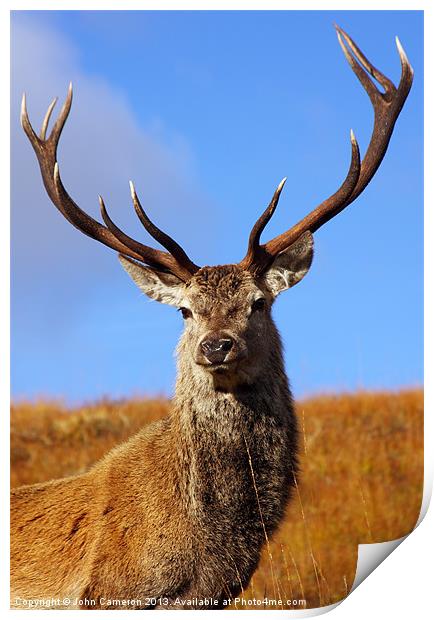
{"type": "Point", "coordinates": [258, 305]}
{"type": "Point", "coordinates": [186, 313]}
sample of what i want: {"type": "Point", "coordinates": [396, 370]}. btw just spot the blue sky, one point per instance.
{"type": "Point", "coordinates": [206, 112]}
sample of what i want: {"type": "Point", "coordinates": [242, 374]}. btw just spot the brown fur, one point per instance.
{"type": "Point", "coordinates": [182, 508]}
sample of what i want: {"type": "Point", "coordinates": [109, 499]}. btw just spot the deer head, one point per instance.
{"type": "Point", "coordinates": [228, 326]}
{"type": "Point", "coordinates": [227, 308]}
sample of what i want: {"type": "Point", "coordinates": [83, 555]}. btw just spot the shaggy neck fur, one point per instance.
{"type": "Point", "coordinates": [237, 457]}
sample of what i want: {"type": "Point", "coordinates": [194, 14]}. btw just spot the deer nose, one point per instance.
{"type": "Point", "coordinates": [215, 349]}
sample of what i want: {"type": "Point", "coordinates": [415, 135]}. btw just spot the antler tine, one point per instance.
{"type": "Point", "coordinates": [46, 120]}
{"type": "Point", "coordinates": [110, 235]}
{"type": "Point", "coordinates": [26, 125]}
{"type": "Point", "coordinates": [164, 239]}
{"type": "Point", "coordinates": [366, 82]}
{"type": "Point", "coordinates": [387, 107]}
{"type": "Point", "coordinates": [62, 118]}
{"type": "Point", "coordinates": [255, 250]}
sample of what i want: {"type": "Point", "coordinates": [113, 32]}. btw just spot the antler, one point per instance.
{"type": "Point", "coordinates": [387, 107]}
{"type": "Point", "coordinates": [175, 260]}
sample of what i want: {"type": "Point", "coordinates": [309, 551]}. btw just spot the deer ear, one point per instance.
{"type": "Point", "coordinates": [291, 265]}
{"type": "Point", "coordinates": [158, 285]}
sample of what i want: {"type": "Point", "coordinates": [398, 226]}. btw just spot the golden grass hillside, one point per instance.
{"type": "Point", "coordinates": [360, 481]}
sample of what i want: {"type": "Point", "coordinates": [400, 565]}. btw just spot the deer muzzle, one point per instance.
{"type": "Point", "coordinates": [216, 349]}
{"type": "Point", "coordinates": [219, 349]}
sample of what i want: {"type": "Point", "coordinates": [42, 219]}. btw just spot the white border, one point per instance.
{"type": "Point", "coordinates": [400, 588]}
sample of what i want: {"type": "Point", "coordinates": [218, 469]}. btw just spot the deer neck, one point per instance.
{"type": "Point", "coordinates": [225, 437]}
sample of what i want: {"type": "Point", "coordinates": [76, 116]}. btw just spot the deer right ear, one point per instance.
{"type": "Point", "coordinates": [158, 285]}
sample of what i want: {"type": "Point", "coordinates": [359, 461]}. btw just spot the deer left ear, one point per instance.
{"type": "Point", "coordinates": [291, 265]}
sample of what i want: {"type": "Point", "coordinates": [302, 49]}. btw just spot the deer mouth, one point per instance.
{"type": "Point", "coordinates": [221, 366]}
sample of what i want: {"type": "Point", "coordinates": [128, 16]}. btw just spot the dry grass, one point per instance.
{"type": "Point", "coordinates": [361, 478]}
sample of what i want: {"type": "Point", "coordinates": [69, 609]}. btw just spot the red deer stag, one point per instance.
{"type": "Point", "coordinates": [177, 516]}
